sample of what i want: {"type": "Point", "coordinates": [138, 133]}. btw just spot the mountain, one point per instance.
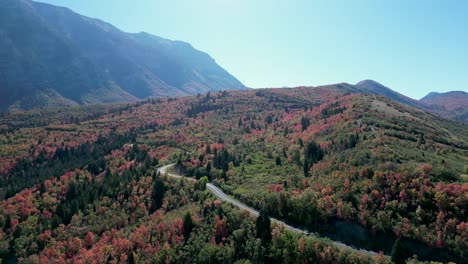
{"type": "Point", "coordinates": [451, 105]}
{"type": "Point", "coordinates": [51, 56]}
{"type": "Point", "coordinates": [451, 100]}
{"type": "Point", "coordinates": [373, 87]}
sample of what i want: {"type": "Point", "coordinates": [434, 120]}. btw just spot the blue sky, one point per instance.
{"type": "Point", "coordinates": [413, 47]}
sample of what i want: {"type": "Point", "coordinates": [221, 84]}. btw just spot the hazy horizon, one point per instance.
{"type": "Point", "coordinates": [413, 48]}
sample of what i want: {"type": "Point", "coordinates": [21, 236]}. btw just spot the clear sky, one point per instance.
{"type": "Point", "coordinates": [411, 46]}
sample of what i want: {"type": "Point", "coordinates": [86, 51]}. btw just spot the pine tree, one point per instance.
{"type": "Point", "coordinates": [93, 168]}
{"type": "Point", "coordinates": [263, 225]}
{"type": "Point", "coordinates": [158, 194]}
{"type": "Point", "coordinates": [305, 122]}
{"type": "Point", "coordinates": [7, 224]}
{"type": "Point", "coordinates": [313, 153]}
{"type": "Point", "coordinates": [208, 169]}
{"type": "Point", "coordinates": [306, 168]}
{"type": "Point", "coordinates": [131, 258]}
{"type": "Point", "coordinates": [188, 225]}
{"type": "Point", "coordinates": [398, 253]}
{"type": "Point", "coordinates": [278, 161]}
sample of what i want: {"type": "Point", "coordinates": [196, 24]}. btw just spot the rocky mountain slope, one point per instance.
{"type": "Point", "coordinates": [51, 56]}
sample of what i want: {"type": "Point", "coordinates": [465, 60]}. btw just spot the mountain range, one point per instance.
{"type": "Point", "coordinates": [51, 56]}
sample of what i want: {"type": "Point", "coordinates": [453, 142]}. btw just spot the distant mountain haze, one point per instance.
{"type": "Point", "coordinates": [51, 56]}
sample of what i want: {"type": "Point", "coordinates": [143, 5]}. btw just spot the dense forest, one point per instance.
{"type": "Point", "coordinates": [130, 214]}
{"type": "Point", "coordinates": [80, 184]}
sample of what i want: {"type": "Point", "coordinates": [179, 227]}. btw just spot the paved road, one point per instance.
{"type": "Point", "coordinates": [221, 195]}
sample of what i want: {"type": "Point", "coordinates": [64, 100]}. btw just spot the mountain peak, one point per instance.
{"type": "Point", "coordinates": [430, 95]}
{"type": "Point", "coordinates": [373, 87]}
{"type": "Point", "coordinates": [368, 82]}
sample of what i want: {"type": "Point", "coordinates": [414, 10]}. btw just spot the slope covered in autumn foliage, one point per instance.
{"type": "Point", "coordinates": [315, 157]}
{"type": "Point", "coordinates": [453, 105]}
{"type": "Point", "coordinates": [129, 214]}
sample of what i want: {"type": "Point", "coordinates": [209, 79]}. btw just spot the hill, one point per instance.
{"type": "Point", "coordinates": [373, 87]}
{"type": "Point", "coordinates": [358, 168]}
{"type": "Point", "coordinates": [52, 57]}
{"type": "Point", "coordinates": [453, 105]}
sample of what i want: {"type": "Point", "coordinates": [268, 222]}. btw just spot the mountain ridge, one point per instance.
{"type": "Point", "coordinates": [374, 87]}
{"type": "Point", "coordinates": [438, 94]}
{"type": "Point", "coordinates": [54, 57]}
{"type": "Point", "coordinates": [449, 105]}
{"type": "Point", "coordinates": [85, 61]}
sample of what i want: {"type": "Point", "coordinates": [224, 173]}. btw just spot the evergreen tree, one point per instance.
{"type": "Point", "coordinates": [93, 168]}
{"type": "Point", "coordinates": [305, 122]}
{"type": "Point", "coordinates": [398, 253]}
{"type": "Point", "coordinates": [208, 169]}
{"type": "Point", "coordinates": [278, 161]}
{"type": "Point", "coordinates": [157, 195]}
{"type": "Point", "coordinates": [263, 225]}
{"type": "Point", "coordinates": [7, 224]}
{"type": "Point", "coordinates": [188, 225]}
{"type": "Point", "coordinates": [313, 153]}
{"type": "Point", "coordinates": [306, 168]}
{"type": "Point", "coordinates": [131, 258]}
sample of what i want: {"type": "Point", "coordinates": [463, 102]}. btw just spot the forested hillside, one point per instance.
{"type": "Point", "coordinates": [453, 105]}
{"type": "Point", "coordinates": [313, 157]}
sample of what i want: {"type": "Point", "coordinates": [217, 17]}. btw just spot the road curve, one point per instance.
{"type": "Point", "coordinates": [221, 195]}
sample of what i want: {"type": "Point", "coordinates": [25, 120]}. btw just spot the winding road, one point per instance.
{"type": "Point", "coordinates": [224, 197]}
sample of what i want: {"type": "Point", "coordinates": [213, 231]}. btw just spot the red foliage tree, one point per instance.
{"type": "Point", "coordinates": [220, 229]}
{"type": "Point", "coordinates": [89, 240]}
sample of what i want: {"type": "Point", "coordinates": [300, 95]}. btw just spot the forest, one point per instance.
{"type": "Point", "coordinates": [131, 214]}
{"type": "Point", "coordinates": [80, 184]}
